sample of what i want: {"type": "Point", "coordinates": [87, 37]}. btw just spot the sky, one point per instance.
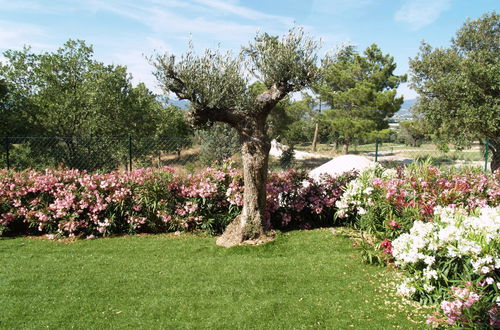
{"type": "Point", "coordinates": [125, 32]}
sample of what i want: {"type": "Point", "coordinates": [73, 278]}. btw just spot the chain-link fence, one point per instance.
{"type": "Point", "coordinates": [104, 153]}
{"type": "Point", "coordinates": [476, 154]}
{"type": "Point", "coordinates": [97, 153]}
{"type": "Point", "coordinates": [391, 153]}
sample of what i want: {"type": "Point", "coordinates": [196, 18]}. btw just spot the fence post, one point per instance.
{"type": "Point", "coordinates": [486, 154]}
{"type": "Point", "coordinates": [376, 150]}
{"type": "Point", "coordinates": [7, 152]}
{"type": "Point", "coordinates": [130, 153]}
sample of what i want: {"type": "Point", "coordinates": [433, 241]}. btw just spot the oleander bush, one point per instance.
{"type": "Point", "coordinates": [454, 259]}
{"type": "Point", "coordinates": [386, 202]}
{"type": "Point", "coordinates": [77, 203]}
{"type": "Point", "coordinates": [442, 228]}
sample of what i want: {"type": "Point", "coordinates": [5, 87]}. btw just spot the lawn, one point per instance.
{"type": "Point", "coordinates": [303, 279]}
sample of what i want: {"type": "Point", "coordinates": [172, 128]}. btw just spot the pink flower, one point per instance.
{"type": "Point", "coordinates": [393, 224]}
{"type": "Point", "coordinates": [386, 244]}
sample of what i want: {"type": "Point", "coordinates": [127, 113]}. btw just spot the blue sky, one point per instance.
{"type": "Point", "coordinates": [124, 31]}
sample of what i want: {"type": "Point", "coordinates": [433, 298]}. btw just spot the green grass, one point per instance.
{"type": "Point", "coordinates": [303, 279]}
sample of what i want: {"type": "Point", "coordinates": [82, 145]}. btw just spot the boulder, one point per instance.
{"type": "Point", "coordinates": [341, 164]}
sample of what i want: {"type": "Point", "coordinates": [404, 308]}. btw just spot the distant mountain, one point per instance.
{"type": "Point", "coordinates": [183, 104]}
{"type": "Point", "coordinates": [405, 108]}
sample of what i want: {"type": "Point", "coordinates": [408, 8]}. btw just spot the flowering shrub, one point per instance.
{"type": "Point", "coordinates": [295, 201]}
{"type": "Point", "coordinates": [69, 203]}
{"type": "Point", "coordinates": [442, 228]}
{"type": "Point", "coordinates": [457, 250]}
{"type": "Point", "coordinates": [388, 202]}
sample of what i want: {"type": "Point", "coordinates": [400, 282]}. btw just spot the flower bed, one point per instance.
{"type": "Point", "coordinates": [387, 202]}
{"type": "Point", "coordinates": [441, 228]}
{"type": "Point", "coordinates": [69, 203]}
{"type": "Point", "coordinates": [457, 250]}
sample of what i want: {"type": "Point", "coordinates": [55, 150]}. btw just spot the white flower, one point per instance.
{"type": "Point", "coordinates": [430, 273]}
{"type": "Point", "coordinates": [406, 289]}
{"type": "Point", "coordinates": [429, 260]}
{"type": "Point", "coordinates": [368, 191]}
{"type": "Point", "coordinates": [485, 270]}
{"type": "Point", "coordinates": [428, 287]}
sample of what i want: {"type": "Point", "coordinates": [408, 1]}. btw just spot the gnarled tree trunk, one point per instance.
{"type": "Point", "coordinates": [251, 227]}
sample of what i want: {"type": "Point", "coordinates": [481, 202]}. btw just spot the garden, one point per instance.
{"type": "Point", "coordinates": [92, 236]}
{"type": "Point", "coordinates": [135, 248]}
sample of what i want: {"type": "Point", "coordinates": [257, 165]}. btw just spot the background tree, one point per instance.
{"type": "Point", "coordinates": [217, 86]}
{"type": "Point", "coordinates": [69, 94]}
{"type": "Point", "coordinates": [360, 89]}
{"type": "Point", "coordinates": [173, 131]}
{"type": "Point", "coordinates": [217, 143]}
{"type": "Point", "coordinates": [412, 132]}
{"type": "Point", "coordinates": [459, 86]}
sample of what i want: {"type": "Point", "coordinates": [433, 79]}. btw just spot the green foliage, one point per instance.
{"type": "Point", "coordinates": [217, 143]}
{"type": "Point", "coordinates": [361, 90]}
{"type": "Point", "coordinates": [346, 128]}
{"type": "Point", "coordinates": [173, 129]}
{"type": "Point", "coordinates": [412, 133]}
{"type": "Point", "coordinates": [287, 157]}
{"type": "Point", "coordinates": [69, 94]}
{"type": "Point", "coordinates": [458, 86]}
{"type": "Point", "coordinates": [290, 61]}
{"type": "Point", "coordinates": [217, 84]}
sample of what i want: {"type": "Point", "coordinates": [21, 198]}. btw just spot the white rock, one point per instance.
{"type": "Point", "coordinates": [340, 165]}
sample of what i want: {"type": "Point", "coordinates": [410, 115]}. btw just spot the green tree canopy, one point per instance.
{"type": "Point", "coordinates": [459, 85]}
{"type": "Point", "coordinates": [360, 88]}
{"type": "Point", "coordinates": [69, 93]}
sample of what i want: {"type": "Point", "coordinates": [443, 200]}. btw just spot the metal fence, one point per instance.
{"type": "Point", "coordinates": [96, 153]}
{"type": "Point", "coordinates": [392, 153]}
{"type": "Point", "coordinates": [105, 153]}
{"type": "Point", "coordinates": [474, 155]}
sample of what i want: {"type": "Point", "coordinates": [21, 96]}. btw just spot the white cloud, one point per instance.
{"type": "Point", "coordinates": [215, 20]}
{"type": "Point", "coordinates": [339, 6]}
{"type": "Point", "coordinates": [16, 35]}
{"type": "Point", "coordinates": [135, 57]}
{"type": "Point", "coordinates": [419, 13]}
{"type": "Point", "coordinates": [229, 8]}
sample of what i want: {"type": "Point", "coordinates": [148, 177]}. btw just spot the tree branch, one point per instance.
{"type": "Point", "coordinates": [202, 115]}
{"type": "Point", "coordinates": [267, 100]}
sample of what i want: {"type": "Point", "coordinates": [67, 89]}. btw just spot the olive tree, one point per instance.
{"type": "Point", "coordinates": [218, 86]}
{"type": "Point", "coordinates": [459, 86]}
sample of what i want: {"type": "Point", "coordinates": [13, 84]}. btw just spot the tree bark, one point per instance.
{"type": "Point", "coordinates": [252, 227]}
{"type": "Point", "coordinates": [495, 154]}
{"type": "Point", "coordinates": [346, 147]}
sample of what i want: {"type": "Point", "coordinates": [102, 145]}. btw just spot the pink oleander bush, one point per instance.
{"type": "Point", "coordinates": [295, 201]}
{"type": "Point", "coordinates": [75, 203]}
{"type": "Point", "coordinates": [388, 202]}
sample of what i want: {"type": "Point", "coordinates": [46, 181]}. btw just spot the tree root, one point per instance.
{"type": "Point", "coordinates": [236, 235]}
